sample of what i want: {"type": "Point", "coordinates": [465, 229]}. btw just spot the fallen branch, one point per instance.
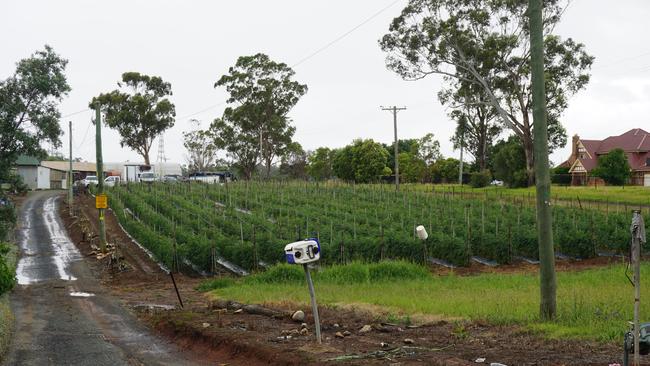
{"type": "Point", "coordinates": [250, 309]}
{"type": "Point", "coordinates": [399, 351]}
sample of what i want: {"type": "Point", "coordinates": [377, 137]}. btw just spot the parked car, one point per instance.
{"type": "Point", "coordinates": [498, 183]}
{"type": "Point", "coordinates": [169, 179]}
{"type": "Point", "coordinates": [90, 180]}
{"type": "Point", "coordinates": [112, 181]}
{"type": "Point", "coordinates": [147, 177]}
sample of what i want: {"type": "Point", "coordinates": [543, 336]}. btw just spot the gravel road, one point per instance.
{"type": "Point", "coordinates": [63, 316]}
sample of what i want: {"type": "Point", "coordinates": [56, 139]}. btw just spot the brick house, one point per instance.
{"type": "Point", "coordinates": [585, 153]}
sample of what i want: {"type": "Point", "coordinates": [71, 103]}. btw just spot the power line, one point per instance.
{"type": "Point", "coordinates": [202, 110]}
{"type": "Point", "coordinates": [301, 61]}
{"type": "Point", "coordinates": [75, 113]}
{"type": "Point", "coordinates": [85, 135]}
{"type": "Point", "coordinates": [304, 59]}
{"type": "Point", "coordinates": [345, 34]}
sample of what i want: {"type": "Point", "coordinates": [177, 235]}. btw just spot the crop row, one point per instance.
{"type": "Point", "coordinates": [249, 223]}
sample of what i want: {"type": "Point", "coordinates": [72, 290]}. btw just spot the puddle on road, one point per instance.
{"type": "Point", "coordinates": [46, 261]}
{"type": "Point", "coordinates": [81, 294]}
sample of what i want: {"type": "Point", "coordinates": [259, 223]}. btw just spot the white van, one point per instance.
{"type": "Point", "coordinates": [112, 181]}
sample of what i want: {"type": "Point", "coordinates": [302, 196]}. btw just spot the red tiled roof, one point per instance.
{"type": "Point", "coordinates": [635, 140]}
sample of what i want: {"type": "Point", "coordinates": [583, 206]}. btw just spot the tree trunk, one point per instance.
{"type": "Point", "coordinates": [268, 168]}
{"type": "Point", "coordinates": [530, 158]}
{"type": "Point", "coordinates": [146, 158]}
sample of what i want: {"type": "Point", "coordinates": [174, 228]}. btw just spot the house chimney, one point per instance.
{"type": "Point", "coordinates": [574, 148]}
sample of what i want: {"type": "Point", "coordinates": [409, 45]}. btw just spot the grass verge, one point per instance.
{"type": "Point", "coordinates": [611, 195]}
{"type": "Point", "coordinates": [592, 304]}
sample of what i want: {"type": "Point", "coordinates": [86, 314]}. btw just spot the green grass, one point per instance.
{"type": "Point", "coordinates": [632, 195]}
{"type": "Point", "coordinates": [6, 316]}
{"type": "Point", "coordinates": [592, 304]}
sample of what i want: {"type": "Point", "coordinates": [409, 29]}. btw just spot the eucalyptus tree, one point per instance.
{"type": "Point", "coordinates": [201, 149]}
{"type": "Point", "coordinates": [140, 111]}
{"type": "Point", "coordinates": [486, 43]}
{"type": "Point", "coordinates": [476, 124]}
{"type": "Point", "coordinates": [262, 93]}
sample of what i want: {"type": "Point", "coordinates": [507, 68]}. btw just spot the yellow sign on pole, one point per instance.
{"type": "Point", "coordinates": [101, 201]}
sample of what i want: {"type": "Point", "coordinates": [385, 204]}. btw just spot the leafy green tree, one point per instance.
{"type": "Point", "coordinates": [509, 163]}
{"type": "Point", "coordinates": [613, 168]}
{"type": "Point", "coordinates": [486, 43]}
{"type": "Point", "coordinates": [363, 161]}
{"type": "Point", "coordinates": [29, 101]}
{"type": "Point", "coordinates": [446, 170]}
{"type": "Point", "coordinates": [343, 163]}
{"type": "Point", "coordinates": [294, 162]}
{"type": "Point", "coordinates": [476, 125]}
{"type": "Point", "coordinates": [320, 163]}
{"type": "Point", "coordinates": [412, 168]}
{"type": "Point", "coordinates": [139, 114]}
{"type": "Point", "coordinates": [428, 149]}
{"type": "Point", "coordinates": [201, 149]}
{"type": "Point", "coordinates": [403, 146]}
{"type": "Point", "coordinates": [370, 159]}
{"type": "Point", "coordinates": [264, 93]}
{"type": "Point", "coordinates": [240, 143]}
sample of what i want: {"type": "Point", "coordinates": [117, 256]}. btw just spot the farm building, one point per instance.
{"type": "Point", "coordinates": [130, 171]}
{"type": "Point", "coordinates": [50, 174]}
{"type": "Point", "coordinates": [585, 153]}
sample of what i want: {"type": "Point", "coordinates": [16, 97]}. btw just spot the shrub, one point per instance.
{"type": "Point", "coordinates": [480, 179]}
{"type": "Point", "coordinates": [561, 176]}
{"type": "Point", "coordinates": [613, 167]}
{"type": "Point", "coordinates": [7, 273]}
{"type": "Point", "coordinates": [396, 270]}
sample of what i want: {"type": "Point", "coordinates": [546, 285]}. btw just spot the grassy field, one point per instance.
{"type": "Point", "coordinates": [592, 304]}
{"type": "Point", "coordinates": [632, 195]}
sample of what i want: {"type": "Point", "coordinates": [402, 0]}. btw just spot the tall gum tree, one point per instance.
{"type": "Point", "coordinates": [139, 114]}
{"type": "Point", "coordinates": [262, 93]}
{"type": "Point", "coordinates": [486, 43]}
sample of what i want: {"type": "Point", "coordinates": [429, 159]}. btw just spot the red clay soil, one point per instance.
{"type": "Point", "coordinates": [224, 336]}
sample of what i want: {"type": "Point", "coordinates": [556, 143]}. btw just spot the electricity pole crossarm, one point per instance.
{"type": "Point", "coordinates": [394, 110]}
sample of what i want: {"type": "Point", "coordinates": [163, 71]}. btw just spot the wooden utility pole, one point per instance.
{"type": "Point", "coordinates": [70, 173]}
{"type": "Point", "coordinates": [548, 286]}
{"type": "Point", "coordinates": [100, 175]}
{"type": "Point", "coordinates": [394, 110]}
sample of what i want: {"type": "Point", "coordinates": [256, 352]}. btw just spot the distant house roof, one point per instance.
{"type": "Point", "coordinates": [635, 140]}
{"type": "Point", "coordinates": [25, 160]}
{"type": "Point", "coordinates": [65, 165]}
{"type": "Point", "coordinates": [635, 143]}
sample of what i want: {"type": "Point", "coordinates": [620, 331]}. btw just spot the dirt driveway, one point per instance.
{"type": "Point", "coordinates": [63, 314]}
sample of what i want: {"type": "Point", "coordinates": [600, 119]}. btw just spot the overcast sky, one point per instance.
{"type": "Point", "coordinates": [192, 43]}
